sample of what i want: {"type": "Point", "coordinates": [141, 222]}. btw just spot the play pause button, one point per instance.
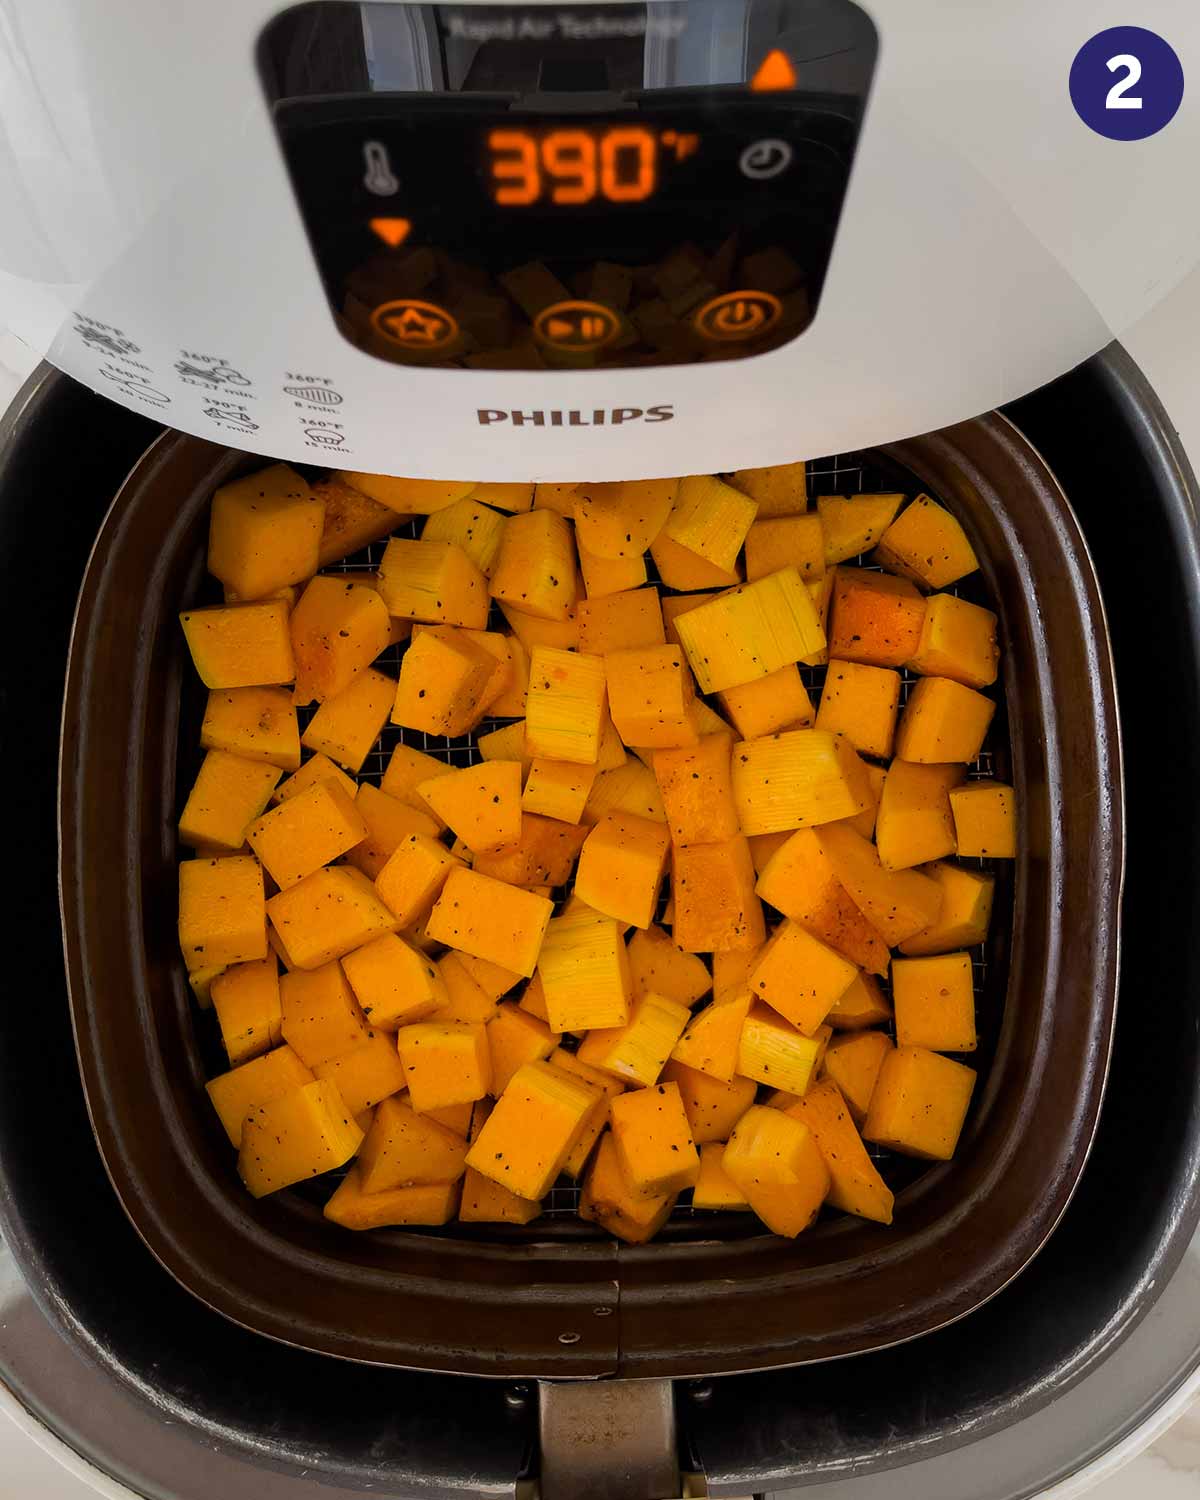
{"type": "Point", "coordinates": [576, 326]}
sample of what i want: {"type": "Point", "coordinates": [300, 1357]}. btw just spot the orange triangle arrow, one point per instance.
{"type": "Point", "coordinates": [774, 72]}
{"type": "Point", "coordinates": [392, 232]}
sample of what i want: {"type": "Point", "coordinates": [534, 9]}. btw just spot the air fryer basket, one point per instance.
{"type": "Point", "coordinates": [562, 1303]}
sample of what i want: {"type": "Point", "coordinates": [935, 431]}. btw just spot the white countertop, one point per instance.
{"type": "Point", "coordinates": [1167, 345]}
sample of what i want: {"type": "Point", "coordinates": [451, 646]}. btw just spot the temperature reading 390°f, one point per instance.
{"type": "Point", "coordinates": [578, 164]}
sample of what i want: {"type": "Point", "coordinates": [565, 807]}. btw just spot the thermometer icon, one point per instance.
{"type": "Point", "coordinates": [379, 177]}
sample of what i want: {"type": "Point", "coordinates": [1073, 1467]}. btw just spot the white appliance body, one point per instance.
{"type": "Point", "coordinates": [153, 248]}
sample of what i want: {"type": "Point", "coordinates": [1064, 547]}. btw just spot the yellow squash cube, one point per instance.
{"type": "Point", "coordinates": [919, 1104]}
{"type": "Point", "coordinates": [620, 622]}
{"type": "Point", "coordinates": [610, 1200]}
{"type": "Point", "coordinates": [328, 913]}
{"type": "Point", "coordinates": [779, 489]}
{"type": "Point", "coordinates": [535, 568]}
{"type": "Point", "coordinates": [338, 627]}
{"type": "Point", "coordinates": [927, 543]}
{"type": "Point", "coordinates": [429, 1203]}
{"type": "Point", "coordinates": [898, 903]}
{"type": "Point", "coordinates": [413, 877]}
{"type": "Point", "coordinates": [657, 963]}
{"type": "Point", "coordinates": [852, 524]}
{"type": "Point", "coordinates": [408, 497]}
{"type": "Point", "coordinates": [228, 794]}
{"type": "Point", "coordinates": [505, 743]}
{"type": "Point", "coordinates": [943, 721]}
{"type": "Point", "coordinates": [713, 1038]}
{"type": "Point", "coordinates": [786, 542]}
{"type": "Point", "coordinates": [514, 1038]}
{"type": "Point", "coordinates": [620, 520]}
{"type": "Point", "coordinates": [772, 1051]}
{"type": "Point", "coordinates": [638, 1051]}
{"type": "Point", "coordinates": [958, 640]}
{"type": "Point", "coordinates": [240, 645]}
{"type": "Point", "coordinates": [674, 605]}
{"type": "Point", "coordinates": [681, 568]}
{"type": "Point", "coordinates": [778, 701]}
{"type": "Point", "coordinates": [650, 696]}
{"type": "Point", "coordinates": [584, 969]}
{"type": "Point", "coordinates": [346, 727]}
{"type": "Point", "coordinates": [296, 1136]}
{"type": "Point", "coordinates": [797, 779]}
{"type": "Point", "coordinates": [558, 789]}
{"type": "Point", "coordinates": [715, 1189]}
{"type": "Point", "coordinates": [608, 575]}
{"type": "Point", "coordinates": [716, 908]}
{"type": "Point", "coordinates": [433, 582]}
{"type": "Point", "coordinates": [855, 1185]}
{"type": "Point", "coordinates": [258, 723]}
{"type": "Point", "coordinates": [243, 1089]}
{"type": "Point", "coordinates": [800, 976]}
{"type": "Point", "coordinates": [470, 525]}
{"type": "Point", "coordinates": [393, 982]}
{"type": "Point", "coordinates": [654, 1140]}
{"type": "Point", "coordinates": [246, 1000]}
{"type": "Point", "coordinates": [697, 790]}
{"type": "Point", "coordinates": [627, 788]}
{"type": "Point", "coordinates": [405, 1149]}
{"type": "Point", "coordinates": [529, 1134]}
{"type": "Point", "coordinates": [264, 532]}
{"type": "Point", "coordinates": [621, 868]}
{"type": "Point", "coordinates": [751, 631]}
{"type": "Point", "coordinates": [711, 519]}
{"type": "Point", "coordinates": [368, 1073]}
{"type": "Point", "coordinates": [221, 911]}
{"type": "Point", "coordinates": [853, 1062]}
{"type": "Point", "coordinates": [934, 1001]}
{"type": "Point", "coordinates": [965, 912]}
{"type": "Point", "coordinates": [861, 702]}
{"type": "Point", "coordinates": [306, 832]}
{"type": "Point", "coordinates": [564, 711]}
{"type": "Point", "coordinates": [321, 1018]}
{"type": "Point", "coordinates": [445, 1063]}
{"type": "Point", "coordinates": [799, 880]}
{"type": "Point", "coordinates": [776, 1162]}
{"type": "Point", "coordinates": [489, 919]}
{"type": "Point", "coordinates": [481, 804]}
{"type": "Point", "coordinates": [914, 824]}
{"type": "Point", "coordinates": [200, 983]}
{"type": "Point", "coordinates": [874, 618]}
{"type": "Point", "coordinates": [863, 1004]}
{"type": "Point", "coordinates": [713, 1108]}
{"type": "Point", "coordinates": [985, 821]}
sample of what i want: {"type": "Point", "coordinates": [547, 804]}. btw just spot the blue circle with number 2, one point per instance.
{"type": "Point", "coordinates": [1126, 83]}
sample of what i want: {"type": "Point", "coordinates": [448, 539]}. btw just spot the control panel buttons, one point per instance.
{"type": "Point", "coordinates": [414, 325]}
{"type": "Point", "coordinates": [393, 232]}
{"type": "Point", "coordinates": [578, 327]}
{"type": "Point", "coordinates": [378, 178]}
{"type": "Point", "coordinates": [765, 159]}
{"type": "Point", "coordinates": [734, 317]}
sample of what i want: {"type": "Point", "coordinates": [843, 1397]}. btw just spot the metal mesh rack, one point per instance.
{"type": "Point", "coordinates": [851, 473]}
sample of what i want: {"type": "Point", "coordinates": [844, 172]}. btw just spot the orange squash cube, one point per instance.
{"type": "Point", "coordinates": [654, 1140]}
{"type": "Point", "coordinates": [444, 680]}
{"type": "Point", "coordinates": [338, 628]}
{"type": "Point", "coordinates": [295, 1136]}
{"type": "Point", "coordinates": [620, 520]}
{"type": "Point", "coordinates": [607, 1088]}
{"type": "Point", "coordinates": [406, 769]}
{"type": "Point", "coordinates": [715, 904]}
{"type": "Point", "coordinates": [934, 1001]}
{"type": "Point", "coordinates": [715, 1189]}
{"type": "Point", "coordinates": [434, 582]}
{"type": "Point", "coordinates": [713, 1036]}
{"type": "Point", "coordinates": [481, 804]}
{"type": "Point", "coordinates": [914, 824]}
{"type": "Point", "coordinates": [800, 976]}
{"type": "Point", "coordinates": [965, 912]}
{"type": "Point", "coordinates": [351, 520]}
{"type": "Point", "coordinates": [408, 497]}
{"type": "Point", "coordinates": [610, 1200]}
{"type": "Point", "coordinates": [855, 1185]}
{"type": "Point", "coordinates": [531, 631]}
{"type": "Point", "coordinates": [985, 825]}
{"type": "Point", "coordinates": [697, 790]}
{"type": "Point", "coordinates": [228, 794]}
{"type": "Point", "coordinates": [488, 919]}
{"type": "Point", "coordinates": [429, 1203]}
{"type": "Point", "coordinates": [675, 605]}
{"type": "Point", "coordinates": [919, 1104]}
{"type": "Point", "coordinates": [306, 832]}
{"type": "Point", "coordinates": [772, 1051]}
{"type": "Point", "coordinates": [393, 983]}
{"type": "Point", "coordinates": [221, 911]}
{"type": "Point", "coordinates": [800, 881]}
{"type": "Point", "coordinates": [240, 645]}
{"type": "Point", "coordinates": [515, 1037]}
{"type": "Point", "coordinates": [535, 568]}
{"type": "Point", "coordinates": [778, 701]}
{"type": "Point", "coordinates": [321, 1018]}
{"type": "Point", "coordinates": [466, 1000]}
{"type": "Point", "coordinates": [544, 854]}
{"type": "Point", "coordinates": [710, 518]}
{"type": "Point", "coordinates": [943, 721]}
{"type": "Point", "coordinates": [413, 877]}
{"type": "Point", "coordinates": [564, 713]}
{"type": "Point", "coordinates": [346, 727]}
{"type": "Point", "coordinates": [327, 914]}
{"type": "Point", "coordinates": [445, 1063]}
{"type": "Point", "coordinates": [797, 779]}
{"type": "Point", "coordinates": [627, 788]}
{"type": "Point", "coordinates": [926, 543]}
{"type": "Point", "coordinates": [713, 1108]}
{"type": "Point", "coordinates": [246, 1000]}
{"type": "Point", "coordinates": [504, 496]}
{"type": "Point", "coordinates": [557, 789]}
{"type": "Point", "coordinates": [258, 723]}
{"type": "Point", "coordinates": [620, 622]}
{"type": "Point", "coordinates": [786, 542]}
{"type": "Point", "coordinates": [316, 768]}
{"type": "Point", "coordinates": [863, 1004]}
{"type": "Point", "coordinates": [898, 903]}
{"type": "Point", "coordinates": [264, 532]}
{"type": "Point", "coordinates": [874, 618]}
{"type": "Point", "coordinates": [470, 525]}
{"type": "Point", "coordinates": [852, 524]}
{"type": "Point", "coordinates": [731, 970]}
{"type": "Point", "coordinates": [650, 696]}
{"type": "Point", "coordinates": [853, 1062]}
{"type": "Point", "coordinates": [861, 702]}
{"type": "Point", "coordinates": [958, 640]}
{"type": "Point", "coordinates": [584, 969]}
{"type": "Point", "coordinates": [485, 1201]}
{"type": "Point", "coordinates": [505, 743]}
{"type": "Point", "coordinates": [404, 1148]}
{"type": "Point", "coordinates": [638, 1051]}
{"type": "Point", "coordinates": [246, 1088]}
{"type": "Point", "coordinates": [681, 568]}
{"type": "Point", "coordinates": [621, 868]}
{"type": "Point", "coordinates": [608, 575]}
{"type": "Point", "coordinates": [528, 1136]}
{"type": "Point", "coordinates": [388, 824]}
{"type": "Point", "coordinates": [657, 963]}
{"type": "Point", "coordinates": [779, 489]}
{"type": "Point", "coordinates": [775, 1161]}
{"type": "Point", "coordinates": [751, 631]}
{"type": "Point", "coordinates": [366, 1074]}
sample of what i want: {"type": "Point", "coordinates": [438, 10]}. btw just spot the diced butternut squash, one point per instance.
{"type": "Point", "coordinates": [366, 1074]}
{"type": "Point", "coordinates": [615, 521]}
{"type": "Point", "coordinates": [584, 969]}
{"type": "Point", "coordinates": [864, 822]}
{"type": "Point", "coordinates": [778, 701]}
{"type": "Point", "coordinates": [514, 1038]}
{"type": "Point", "coordinates": [681, 568]}
{"type": "Point", "coordinates": [650, 695]}
{"type": "Point", "coordinates": [985, 821]}
{"type": "Point", "coordinates": [620, 622]}
{"type": "Point", "coordinates": [779, 489]}
{"type": "Point", "coordinates": [412, 879]}
{"type": "Point", "coordinates": [731, 970]}
{"type": "Point", "coordinates": [327, 914]}
{"type": "Point", "coordinates": [435, 582]}
{"type": "Point", "coordinates": [394, 984]}
{"type": "Point", "coordinates": [943, 721]}
{"type": "Point", "coordinates": [306, 832]}
{"type": "Point", "coordinates": [853, 1062]}
{"type": "Point", "coordinates": [713, 1037]}
{"type": "Point", "coordinates": [221, 911]}
{"type": "Point", "coordinates": [786, 542]}
{"type": "Point", "coordinates": [965, 912]}
{"type": "Point", "coordinates": [505, 743]}
{"type": "Point", "coordinates": [504, 496]}
{"type": "Point", "coordinates": [229, 793]}
{"type": "Point", "coordinates": [715, 1189]}
{"type": "Point", "coordinates": [711, 519]}
{"type": "Point", "coordinates": [529, 1134]}
{"type": "Point", "coordinates": [855, 1184]}
{"type": "Point", "coordinates": [544, 854]}
{"type": "Point", "coordinates": [246, 1000]}
{"type": "Point", "coordinates": [751, 631]}
{"type": "Point", "coordinates": [607, 1088]}
{"type": "Point", "coordinates": [605, 575]}
{"type": "Point", "coordinates": [481, 804]}
{"type": "Point", "coordinates": [466, 999]}
{"type": "Point", "coordinates": [296, 1136]}
{"type": "Point", "coordinates": [408, 497]}
{"type": "Point", "coordinates": [716, 907]}
{"type": "Point", "coordinates": [444, 682]}
{"type": "Point", "coordinates": [511, 702]}
{"type": "Point", "coordinates": [258, 723]}
{"type": "Point", "coordinates": [914, 824]}
{"type": "Point", "coordinates": [772, 1051]}
{"type": "Point", "coordinates": [532, 631]}
{"type": "Point", "coordinates": [610, 1200]}
{"type": "Point", "coordinates": [775, 1161]}
{"type": "Point", "coordinates": [485, 1201]}
{"type": "Point", "coordinates": [863, 1004]}
{"type": "Point", "coordinates": [264, 532]}
{"type": "Point", "coordinates": [494, 979]}
{"type": "Point", "coordinates": [535, 568]}
{"type": "Point", "coordinates": [919, 1104]}
{"type": "Point", "coordinates": [445, 1063]}
{"type": "Point", "coordinates": [861, 702]}
{"type": "Point", "coordinates": [471, 526]}
{"type": "Point", "coordinates": [337, 629]}
{"type": "Point", "coordinates": [240, 645]}
{"type": "Point", "coordinates": [898, 903]}
{"type": "Point", "coordinates": [558, 789]}
{"type": "Point", "coordinates": [926, 543]}
{"type": "Point", "coordinates": [564, 714]}
{"type": "Point", "coordinates": [713, 1108]}
{"type": "Point", "coordinates": [854, 523]}
{"type": "Point", "coordinates": [697, 790]}
{"type": "Point", "coordinates": [321, 1018]}
{"type": "Point", "coordinates": [429, 1203]}
{"type": "Point", "coordinates": [200, 983]}
{"type": "Point", "coordinates": [800, 881]}
{"type": "Point", "coordinates": [638, 1051]}
{"type": "Point", "coordinates": [800, 976]}
{"type": "Point", "coordinates": [346, 727]}
{"type": "Point", "coordinates": [406, 769]}
{"type": "Point", "coordinates": [658, 964]}
{"type": "Point", "coordinates": [958, 640]}
{"type": "Point", "coordinates": [874, 618]}
{"type": "Point", "coordinates": [935, 1002]}
{"type": "Point", "coordinates": [488, 919]}
{"type": "Point", "coordinates": [628, 788]}
{"type": "Point", "coordinates": [351, 520]}
{"type": "Point", "coordinates": [674, 605]}
{"type": "Point", "coordinates": [654, 1140]}
{"type": "Point", "coordinates": [621, 868]}
{"type": "Point", "coordinates": [797, 779]}
{"type": "Point", "coordinates": [315, 769]}
{"type": "Point", "coordinates": [388, 824]}
{"type": "Point", "coordinates": [404, 1148]}
{"type": "Point", "coordinates": [248, 1087]}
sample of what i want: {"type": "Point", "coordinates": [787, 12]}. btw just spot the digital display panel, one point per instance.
{"type": "Point", "coordinates": [535, 188]}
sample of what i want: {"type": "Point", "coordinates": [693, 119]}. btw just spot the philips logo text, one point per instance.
{"type": "Point", "coordinates": [613, 416]}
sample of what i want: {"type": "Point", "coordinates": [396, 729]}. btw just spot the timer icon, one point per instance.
{"type": "Point", "coordinates": [765, 159]}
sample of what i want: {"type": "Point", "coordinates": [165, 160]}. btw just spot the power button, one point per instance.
{"type": "Point", "coordinates": [735, 316]}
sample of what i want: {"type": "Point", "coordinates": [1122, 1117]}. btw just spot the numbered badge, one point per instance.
{"type": "Point", "coordinates": [1126, 83]}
